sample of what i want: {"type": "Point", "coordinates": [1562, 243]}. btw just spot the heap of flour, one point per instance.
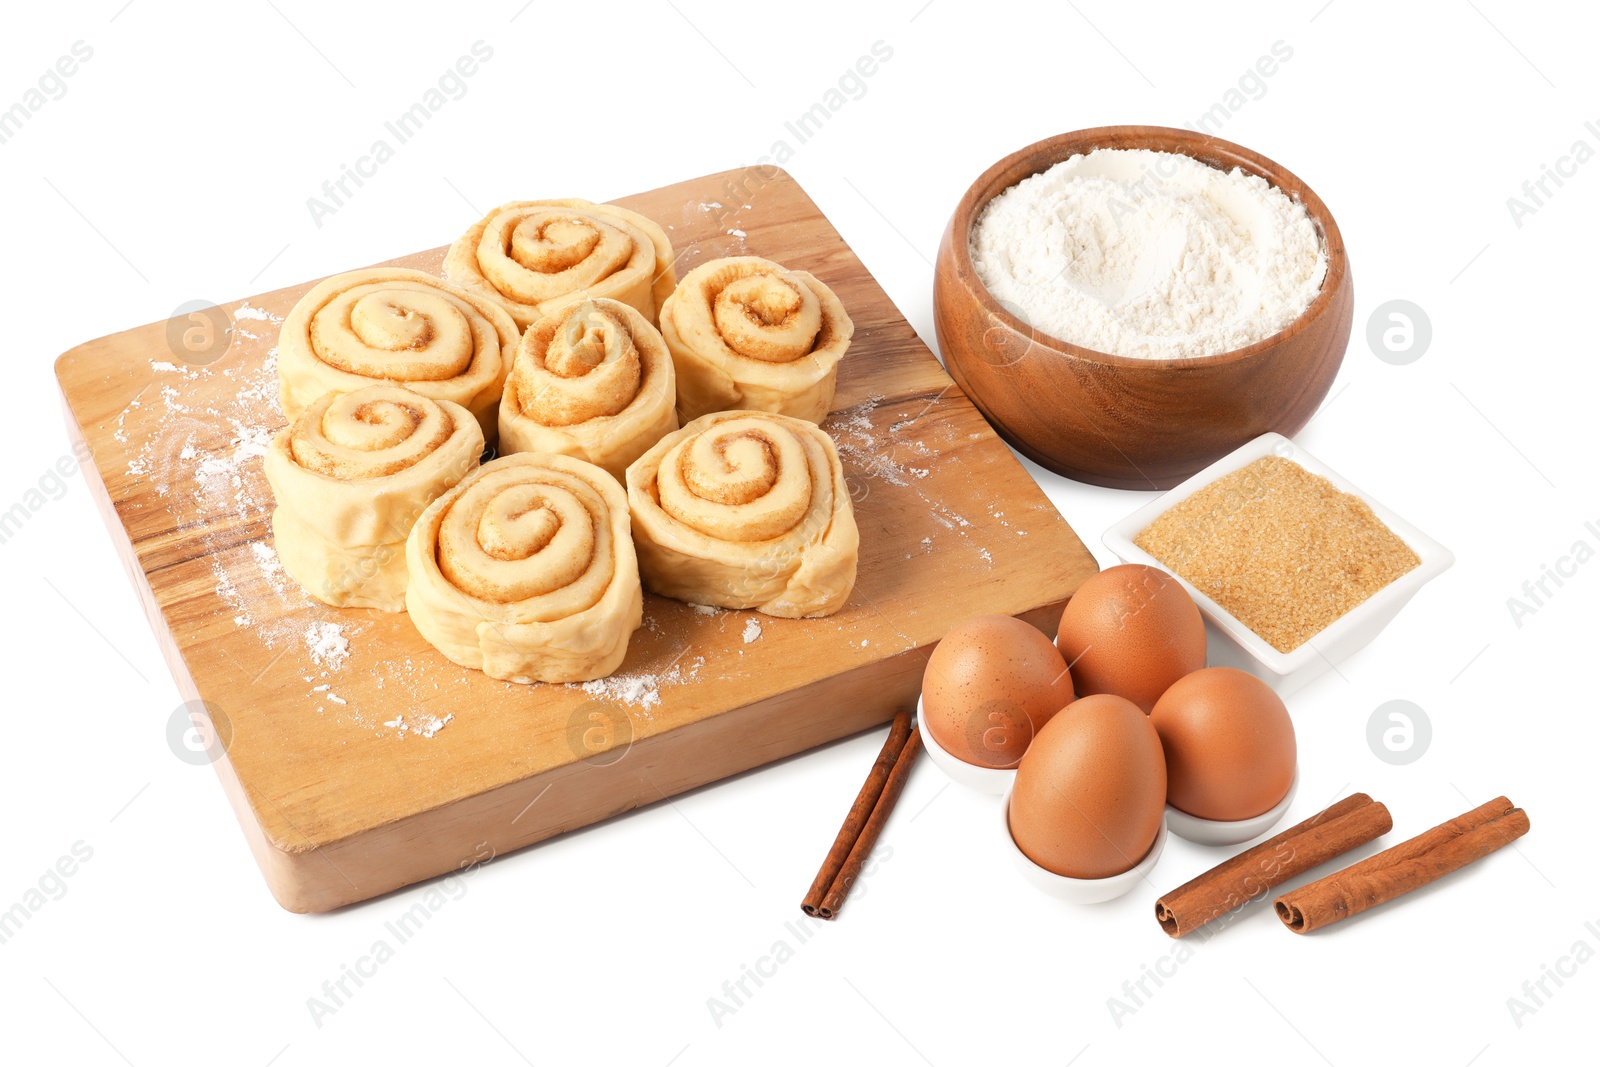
{"type": "Point", "coordinates": [1149, 254]}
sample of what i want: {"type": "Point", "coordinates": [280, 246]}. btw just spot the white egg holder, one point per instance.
{"type": "Point", "coordinates": [1078, 890]}
{"type": "Point", "coordinates": [991, 780]}
{"type": "Point", "coordinates": [1229, 642]}
{"type": "Point", "coordinates": [999, 781]}
{"type": "Point", "coordinates": [1214, 832]}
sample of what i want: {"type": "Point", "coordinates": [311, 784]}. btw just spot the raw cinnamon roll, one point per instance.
{"type": "Point", "coordinates": [594, 381]}
{"type": "Point", "coordinates": [391, 324]}
{"type": "Point", "coordinates": [530, 255]}
{"type": "Point", "coordinates": [745, 509]}
{"type": "Point", "coordinates": [350, 477]}
{"type": "Point", "coordinates": [526, 571]}
{"type": "Point", "coordinates": [747, 333]}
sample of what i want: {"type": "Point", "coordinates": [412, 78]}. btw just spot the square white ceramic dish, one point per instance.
{"type": "Point", "coordinates": [1229, 642]}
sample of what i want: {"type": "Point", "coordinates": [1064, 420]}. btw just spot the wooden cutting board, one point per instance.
{"type": "Point", "coordinates": [359, 760]}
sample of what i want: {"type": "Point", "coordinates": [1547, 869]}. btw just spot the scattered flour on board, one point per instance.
{"type": "Point", "coordinates": [245, 311]}
{"type": "Point", "coordinates": [852, 433]}
{"type": "Point", "coordinates": [425, 725]}
{"type": "Point", "coordinates": [752, 630]}
{"type": "Point", "coordinates": [211, 450]}
{"type": "Point", "coordinates": [640, 689]}
{"type": "Point", "coordinates": [327, 644]}
{"type": "Point", "coordinates": [271, 567]}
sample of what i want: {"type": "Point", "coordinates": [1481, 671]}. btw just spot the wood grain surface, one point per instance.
{"type": "Point", "coordinates": [329, 763]}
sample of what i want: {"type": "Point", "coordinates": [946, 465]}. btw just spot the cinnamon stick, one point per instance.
{"type": "Point", "coordinates": [874, 826]}
{"type": "Point", "coordinates": [860, 812]}
{"type": "Point", "coordinates": [1409, 865]}
{"type": "Point", "coordinates": [1335, 830]}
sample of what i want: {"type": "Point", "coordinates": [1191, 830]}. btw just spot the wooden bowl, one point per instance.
{"type": "Point", "coordinates": [1118, 421]}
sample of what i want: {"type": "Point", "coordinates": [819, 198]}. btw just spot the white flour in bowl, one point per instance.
{"type": "Point", "coordinates": [1151, 255]}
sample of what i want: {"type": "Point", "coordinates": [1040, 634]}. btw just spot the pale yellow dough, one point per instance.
{"type": "Point", "coordinates": [592, 380]}
{"type": "Point", "coordinates": [526, 571]}
{"type": "Point", "coordinates": [747, 333]}
{"type": "Point", "coordinates": [404, 326]}
{"type": "Point", "coordinates": [746, 509]}
{"type": "Point", "coordinates": [351, 475]}
{"type": "Point", "coordinates": [530, 255]}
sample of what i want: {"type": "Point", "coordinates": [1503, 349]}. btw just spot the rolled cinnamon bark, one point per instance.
{"type": "Point", "coordinates": [1335, 830]}
{"type": "Point", "coordinates": [1409, 865]}
{"type": "Point", "coordinates": [874, 826]}
{"type": "Point", "coordinates": [860, 812]}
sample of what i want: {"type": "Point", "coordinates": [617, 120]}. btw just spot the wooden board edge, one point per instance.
{"type": "Point", "coordinates": [306, 876]}
{"type": "Point", "coordinates": [542, 806]}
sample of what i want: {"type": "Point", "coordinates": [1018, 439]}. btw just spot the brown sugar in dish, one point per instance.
{"type": "Point", "coordinates": [1281, 549]}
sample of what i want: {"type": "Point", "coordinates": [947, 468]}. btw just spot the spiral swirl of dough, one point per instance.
{"type": "Point", "coordinates": [530, 255]}
{"type": "Point", "coordinates": [526, 571]}
{"type": "Point", "coordinates": [592, 380]}
{"type": "Point", "coordinates": [396, 325]}
{"type": "Point", "coordinates": [351, 475]}
{"type": "Point", "coordinates": [371, 433]}
{"type": "Point", "coordinates": [745, 509]}
{"type": "Point", "coordinates": [746, 332]}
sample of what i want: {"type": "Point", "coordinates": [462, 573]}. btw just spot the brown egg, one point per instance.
{"type": "Point", "coordinates": [1092, 790]}
{"type": "Point", "coordinates": [989, 687]}
{"type": "Point", "coordinates": [1229, 744]}
{"type": "Point", "coordinates": [1132, 631]}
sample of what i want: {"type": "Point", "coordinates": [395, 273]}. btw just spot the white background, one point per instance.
{"type": "Point", "coordinates": [177, 166]}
